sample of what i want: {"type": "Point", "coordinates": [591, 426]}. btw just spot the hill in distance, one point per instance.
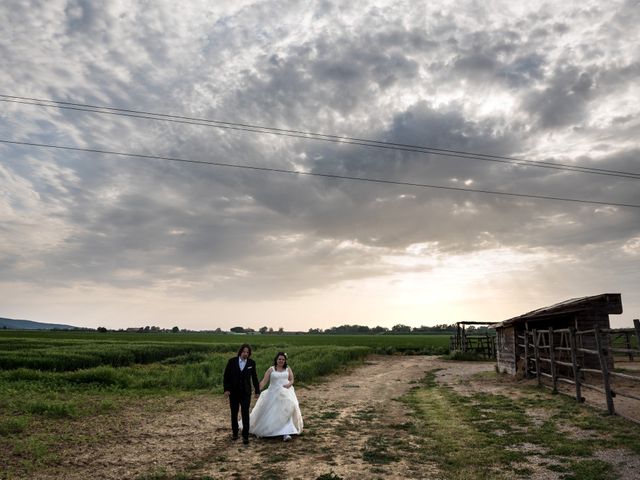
{"type": "Point", "coordinates": [12, 324]}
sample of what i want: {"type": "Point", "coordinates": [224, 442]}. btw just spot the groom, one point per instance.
{"type": "Point", "coordinates": [238, 376]}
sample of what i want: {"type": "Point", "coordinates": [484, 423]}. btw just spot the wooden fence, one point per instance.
{"type": "Point", "coordinates": [483, 345]}
{"type": "Point", "coordinates": [579, 358]}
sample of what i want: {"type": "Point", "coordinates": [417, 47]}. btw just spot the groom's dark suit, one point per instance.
{"type": "Point", "coordinates": [238, 383]}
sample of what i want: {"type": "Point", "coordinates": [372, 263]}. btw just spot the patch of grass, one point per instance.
{"type": "Point", "coordinates": [367, 414]}
{"type": "Point", "coordinates": [12, 426]}
{"type": "Point", "coordinates": [465, 356]}
{"type": "Point", "coordinates": [523, 472]}
{"type": "Point", "coordinates": [329, 414]}
{"type": "Point", "coordinates": [625, 436]}
{"type": "Point", "coordinates": [271, 473]}
{"type": "Point", "coordinates": [406, 426]}
{"type": "Point", "coordinates": [477, 436]}
{"type": "Point", "coordinates": [590, 470]}
{"type": "Point", "coordinates": [329, 476]}
{"type": "Point", "coordinates": [106, 406]}
{"type": "Point", "coordinates": [52, 408]}
{"type": "Point", "coordinates": [376, 450]}
{"type": "Point", "coordinates": [161, 474]}
{"type": "Point", "coordinates": [35, 452]}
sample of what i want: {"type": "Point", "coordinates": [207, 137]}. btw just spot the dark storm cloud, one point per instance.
{"type": "Point", "coordinates": [564, 100]}
{"type": "Point", "coordinates": [337, 76]}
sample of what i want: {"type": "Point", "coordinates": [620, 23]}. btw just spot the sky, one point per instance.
{"type": "Point", "coordinates": [93, 239]}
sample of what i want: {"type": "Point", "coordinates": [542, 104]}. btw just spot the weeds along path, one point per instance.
{"type": "Point", "coordinates": [354, 427]}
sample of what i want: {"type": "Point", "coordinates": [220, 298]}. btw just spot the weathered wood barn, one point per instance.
{"type": "Point", "coordinates": [515, 335]}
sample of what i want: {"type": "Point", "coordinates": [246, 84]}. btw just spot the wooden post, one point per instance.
{"type": "Point", "coordinates": [526, 353]}
{"type": "Point", "coordinates": [536, 348]}
{"type": "Point", "coordinates": [602, 355]}
{"type": "Point", "coordinates": [636, 325]}
{"type": "Point", "coordinates": [464, 339]}
{"type": "Point", "coordinates": [627, 339]}
{"type": "Point", "coordinates": [552, 357]}
{"type": "Point", "coordinates": [576, 367]}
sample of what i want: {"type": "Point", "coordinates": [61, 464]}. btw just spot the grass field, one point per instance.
{"type": "Point", "coordinates": [399, 342]}
{"type": "Point", "coordinates": [180, 361]}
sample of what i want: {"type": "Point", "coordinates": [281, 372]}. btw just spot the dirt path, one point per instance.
{"type": "Point", "coordinates": [353, 422]}
{"type": "Point", "coordinates": [354, 427]}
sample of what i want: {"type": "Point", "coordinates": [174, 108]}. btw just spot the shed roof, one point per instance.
{"type": "Point", "coordinates": [605, 302]}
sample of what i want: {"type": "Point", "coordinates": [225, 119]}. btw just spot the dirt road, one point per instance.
{"type": "Point", "coordinates": [346, 417]}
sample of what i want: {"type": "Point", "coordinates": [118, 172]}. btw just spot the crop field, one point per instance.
{"type": "Point", "coordinates": [111, 359]}
{"type": "Point", "coordinates": [54, 373]}
{"type": "Point", "coordinates": [179, 361]}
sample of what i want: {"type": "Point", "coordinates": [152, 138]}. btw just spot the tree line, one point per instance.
{"type": "Point", "coordinates": [399, 329]}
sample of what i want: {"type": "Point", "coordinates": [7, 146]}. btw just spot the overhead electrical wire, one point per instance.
{"type": "Point", "coordinates": [313, 174]}
{"type": "Point", "coordinates": [312, 135]}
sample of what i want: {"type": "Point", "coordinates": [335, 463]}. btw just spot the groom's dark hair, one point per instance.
{"type": "Point", "coordinates": [242, 347]}
{"type": "Point", "coordinates": [275, 359]}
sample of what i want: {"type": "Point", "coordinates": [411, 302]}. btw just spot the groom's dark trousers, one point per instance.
{"type": "Point", "coordinates": [240, 402]}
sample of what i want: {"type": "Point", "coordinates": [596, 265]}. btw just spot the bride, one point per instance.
{"type": "Point", "coordinates": [277, 411]}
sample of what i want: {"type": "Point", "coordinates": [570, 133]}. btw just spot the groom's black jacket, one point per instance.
{"type": "Point", "coordinates": [239, 381]}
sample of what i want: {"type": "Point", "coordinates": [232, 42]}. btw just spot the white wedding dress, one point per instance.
{"type": "Point", "coordinates": [277, 411]}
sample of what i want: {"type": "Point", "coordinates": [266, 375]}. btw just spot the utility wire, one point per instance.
{"type": "Point", "coordinates": [313, 174]}
{"type": "Point", "coordinates": [311, 135]}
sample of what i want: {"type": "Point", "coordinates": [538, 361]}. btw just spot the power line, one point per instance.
{"type": "Point", "coordinates": [311, 135]}
{"type": "Point", "coordinates": [313, 174]}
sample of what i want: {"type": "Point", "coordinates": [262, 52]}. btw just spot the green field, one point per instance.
{"type": "Point", "coordinates": [401, 342]}
{"type": "Point", "coordinates": [61, 367]}
{"type": "Point", "coordinates": [188, 361]}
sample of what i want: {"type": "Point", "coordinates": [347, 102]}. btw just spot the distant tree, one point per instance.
{"type": "Point", "coordinates": [175, 329]}
{"type": "Point", "coordinates": [379, 330]}
{"type": "Point", "coordinates": [237, 329]}
{"type": "Point", "coordinates": [315, 330]}
{"type": "Point", "coordinates": [400, 328]}
{"type": "Point", "coordinates": [263, 330]}
{"type": "Point", "coordinates": [102, 329]}
{"type": "Point", "coordinates": [281, 330]}
{"type": "Point", "coordinates": [147, 328]}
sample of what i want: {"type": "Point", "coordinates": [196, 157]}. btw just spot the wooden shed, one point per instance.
{"type": "Point", "coordinates": [584, 313]}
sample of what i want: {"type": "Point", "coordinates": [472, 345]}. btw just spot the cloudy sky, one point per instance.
{"type": "Point", "coordinates": [93, 239]}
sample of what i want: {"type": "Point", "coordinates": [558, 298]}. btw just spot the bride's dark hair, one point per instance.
{"type": "Point", "coordinates": [275, 360]}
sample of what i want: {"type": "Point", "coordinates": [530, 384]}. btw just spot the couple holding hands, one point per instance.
{"type": "Point", "coordinates": [276, 412]}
